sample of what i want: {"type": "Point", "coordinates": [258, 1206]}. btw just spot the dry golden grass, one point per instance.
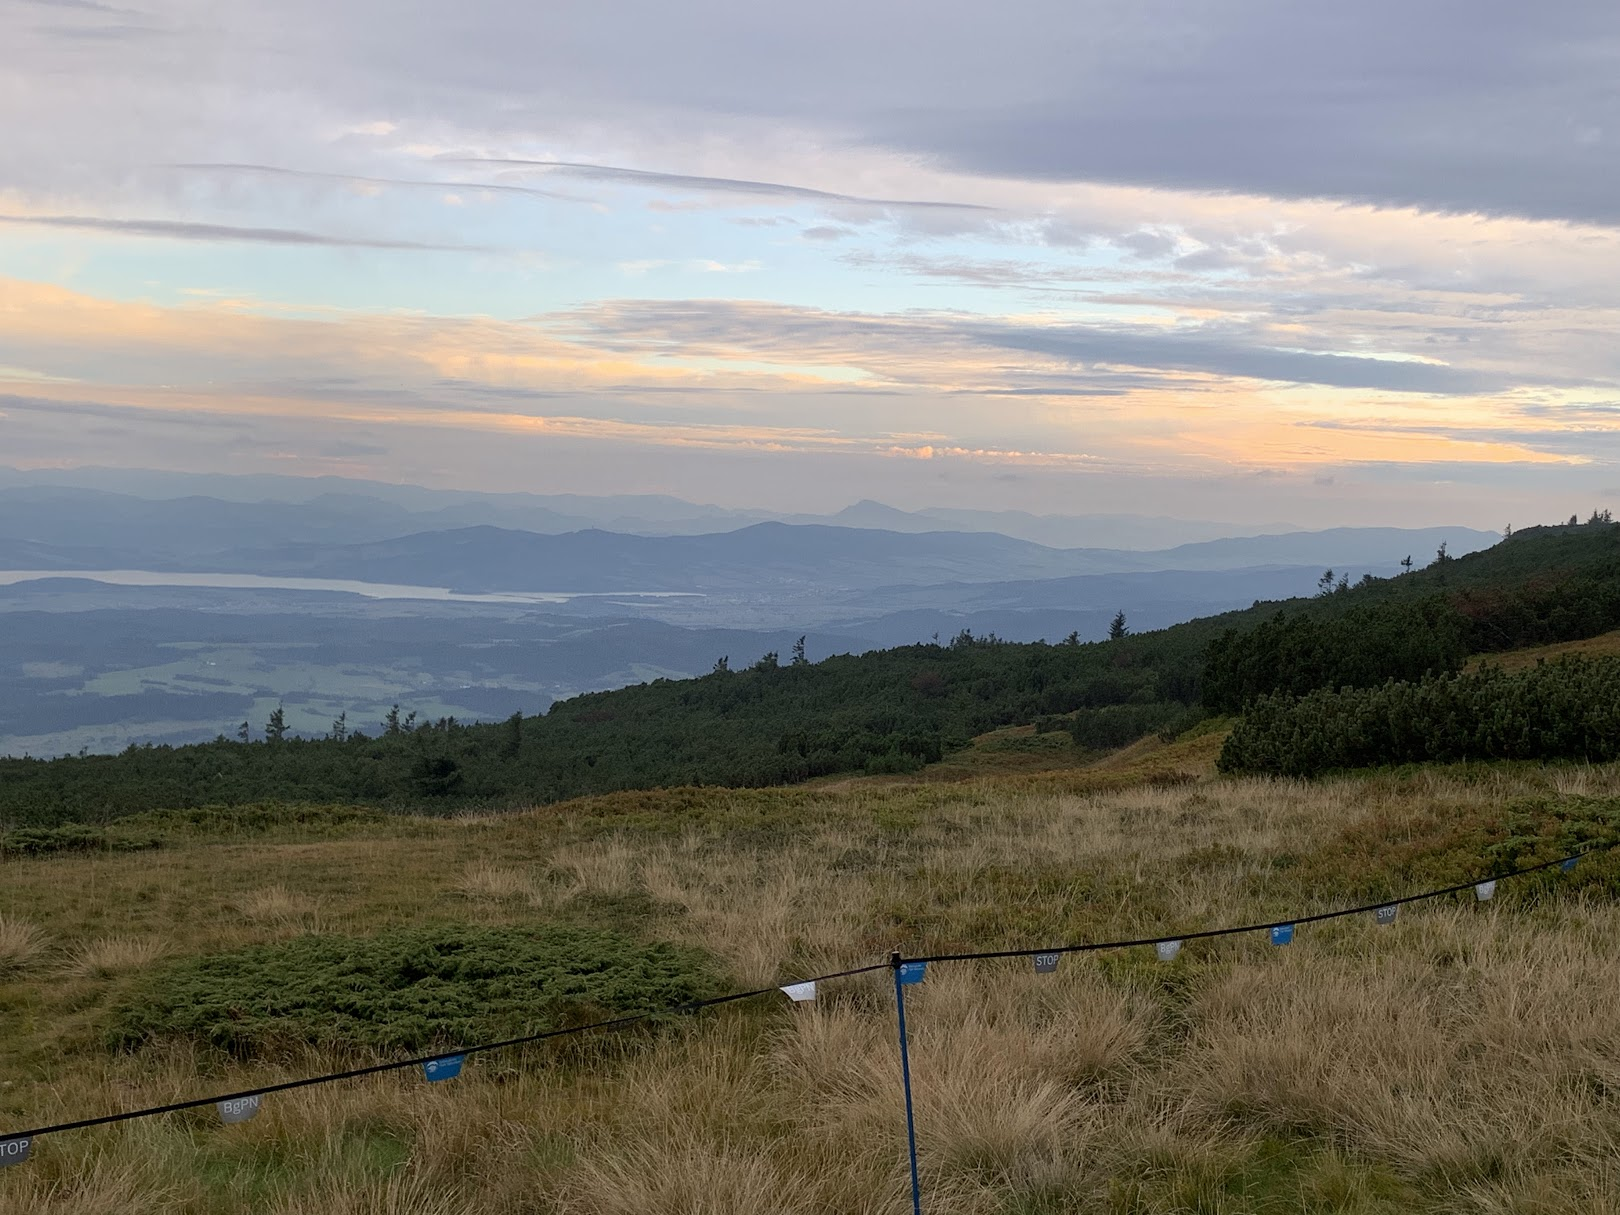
{"type": "Point", "coordinates": [1466, 1059]}
{"type": "Point", "coordinates": [605, 866]}
{"type": "Point", "coordinates": [105, 957]}
{"type": "Point", "coordinates": [486, 880]}
{"type": "Point", "coordinates": [20, 944]}
{"type": "Point", "coordinates": [1605, 645]}
{"type": "Point", "coordinates": [276, 905]}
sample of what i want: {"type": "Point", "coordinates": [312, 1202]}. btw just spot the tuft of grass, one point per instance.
{"type": "Point", "coordinates": [20, 944]}
{"type": "Point", "coordinates": [275, 905]}
{"type": "Point", "coordinates": [105, 957]}
{"type": "Point", "coordinates": [671, 1179]}
{"type": "Point", "coordinates": [485, 880]}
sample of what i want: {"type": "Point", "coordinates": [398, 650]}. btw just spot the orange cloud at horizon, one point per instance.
{"type": "Point", "coordinates": [924, 392]}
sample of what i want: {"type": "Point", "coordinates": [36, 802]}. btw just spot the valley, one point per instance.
{"type": "Point", "coordinates": [132, 619]}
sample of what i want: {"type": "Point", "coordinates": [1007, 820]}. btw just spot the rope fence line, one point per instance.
{"type": "Point", "coordinates": [238, 1106]}
{"type": "Point", "coordinates": [394, 1065]}
{"type": "Point", "coordinates": [1565, 862]}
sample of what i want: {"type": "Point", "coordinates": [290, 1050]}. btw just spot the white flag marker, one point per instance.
{"type": "Point", "coordinates": [1168, 950]}
{"type": "Point", "coordinates": [800, 992]}
{"type": "Point", "coordinates": [239, 1109]}
{"type": "Point", "coordinates": [1485, 890]}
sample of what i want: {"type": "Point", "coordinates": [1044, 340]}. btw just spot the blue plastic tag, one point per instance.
{"type": "Point", "coordinates": [913, 972]}
{"type": "Point", "coordinates": [1282, 934]}
{"type": "Point", "coordinates": [14, 1151]}
{"type": "Point", "coordinates": [1567, 865]}
{"type": "Point", "coordinates": [447, 1068]}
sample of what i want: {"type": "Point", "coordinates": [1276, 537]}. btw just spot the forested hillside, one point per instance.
{"type": "Point", "coordinates": [768, 723]}
{"type": "Point", "coordinates": [895, 710]}
{"type": "Point", "coordinates": [1535, 588]}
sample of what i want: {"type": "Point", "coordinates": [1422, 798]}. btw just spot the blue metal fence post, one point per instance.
{"type": "Point", "coordinates": [905, 1078]}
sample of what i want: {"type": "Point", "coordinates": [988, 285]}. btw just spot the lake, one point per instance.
{"type": "Point", "coordinates": [371, 590]}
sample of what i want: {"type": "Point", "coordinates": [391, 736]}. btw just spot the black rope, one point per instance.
{"type": "Point", "coordinates": [697, 1005]}
{"type": "Point", "coordinates": [417, 1060]}
{"type": "Point", "coordinates": [1097, 946]}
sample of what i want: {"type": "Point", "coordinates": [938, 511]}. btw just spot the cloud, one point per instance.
{"type": "Point", "coordinates": [1489, 106]}
{"type": "Point", "coordinates": [98, 33]}
{"type": "Point", "coordinates": [710, 266]}
{"type": "Point", "coordinates": [696, 266]}
{"type": "Point", "coordinates": [1054, 390]}
{"type": "Point", "coordinates": [92, 6]}
{"type": "Point", "coordinates": [1170, 232]}
{"type": "Point", "coordinates": [356, 179]}
{"type": "Point", "coordinates": [149, 414]}
{"type": "Point", "coordinates": [342, 449]}
{"type": "Point", "coordinates": [688, 375]}
{"type": "Point", "coordinates": [173, 229]}
{"type": "Point", "coordinates": [1146, 244]}
{"type": "Point", "coordinates": [712, 328]}
{"type": "Point", "coordinates": [710, 185]}
{"type": "Point", "coordinates": [1246, 358]}
{"type": "Point", "coordinates": [1454, 105]}
{"type": "Point", "coordinates": [1575, 438]}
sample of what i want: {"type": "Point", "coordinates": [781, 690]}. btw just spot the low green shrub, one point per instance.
{"type": "Point", "coordinates": [892, 763]}
{"type": "Point", "coordinates": [1536, 830]}
{"type": "Point", "coordinates": [407, 989]}
{"type": "Point", "coordinates": [1112, 726]}
{"type": "Point", "coordinates": [255, 817]}
{"type": "Point", "coordinates": [73, 837]}
{"type": "Point", "coordinates": [1181, 723]}
{"type": "Point", "coordinates": [1568, 709]}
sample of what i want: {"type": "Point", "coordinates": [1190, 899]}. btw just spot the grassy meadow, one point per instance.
{"type": "Point", "coordinates": [1464, 1059]}
{"type": "Point", "coordinates": [1604, 645]}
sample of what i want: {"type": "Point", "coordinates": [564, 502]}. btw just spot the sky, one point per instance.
{"type": "Point", "coordinates": [1246, 260]}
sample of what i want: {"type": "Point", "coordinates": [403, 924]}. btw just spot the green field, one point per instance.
{"type": "Point", "coordinates": [312, 693]}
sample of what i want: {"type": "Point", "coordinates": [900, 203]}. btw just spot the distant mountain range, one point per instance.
{"type": "Point", "coordinates": [777, 556]}
{"type": "Point", "coordinates": [344, 510]}
{"type": "Point", "coordinates": [88, 663]}
{"type": "Point", "coordinates": [343, 536]}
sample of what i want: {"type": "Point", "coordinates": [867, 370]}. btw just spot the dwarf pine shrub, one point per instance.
{"type": "Point", "coordinates": [407, 989]}
{"type": "Point", "coordinates": [1568, 709]}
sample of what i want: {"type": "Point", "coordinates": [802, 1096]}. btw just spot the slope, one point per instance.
{"type": "Point", "coordinates": [1451, 1061]}
{"type": "Point", "coordinates": [886, 711]}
